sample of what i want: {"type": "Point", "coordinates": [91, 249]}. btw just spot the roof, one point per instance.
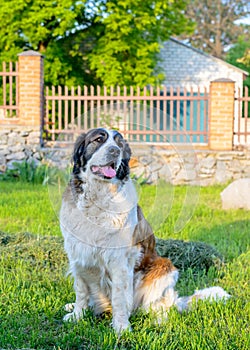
{"type": "Point", "coordinates": [188, 46]}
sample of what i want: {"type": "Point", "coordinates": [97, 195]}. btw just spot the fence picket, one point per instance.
{"type": "Point", "coordinates": [105, 100]}
{"type": "Point", "coordinates": [79, 110]}
{"type": "Point", "coordinates": [245, 107]}
{"type": "Point", "coordinates": [158, 93]}
{"type": "Point", "coordinates": [98, 114]}
{"type": "Point", "coordinates": [131, 114]}
{"type": "Point", "coordinates": [125, 119]}
{"type": "Point", "coordinates": [138, 113]}
{"type": "Point", "coordinates": [53, 113]}
{"type": "Point", "coordinates": [59, 107]}
{"type": "Point", "coordinates": [178, 119]}
{"type": "Point", "coordinates": [185, 114]}
{"type": "Point", "coordinates": [151, 112]}
{"type": "Point", "coordinates": [10, 88]}
{"type": "Point", "coordinates": [118, 107]}
{"type": "Point", "coordinates": [85, 113]}
{"type": "Point", "coordinates": [164, 116]}
{"type": "Point", "coordinates": [72, 107]}
{"type": "Point", "coordinates": [198, 113]}
{"type": "Point", "coordinates": [144, 112]}
{"type": "Point", "coordinates": [111, 102]}
{"type": "Point", "coordinates": [171, 117]}
{"type": "Point", "coordinates": [66, 111]}
{"type": "Point", "coordinates": [92, 112]}
{"type": "Point", "coordinates": [191, 114]}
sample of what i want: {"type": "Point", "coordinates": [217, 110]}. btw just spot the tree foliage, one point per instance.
{"type": "Point", "coordinates": [245, 59]}
{"type": "Point", "coordinates": [49, 27]}
{"type": "Point", "coordinates": [127, 50]}
{"type": "Point", "coordinates": [91, 42]}
{"type": "Point", "coordinates": [216, 24]}
{"type": "Point", "coordinates": [239, 55]}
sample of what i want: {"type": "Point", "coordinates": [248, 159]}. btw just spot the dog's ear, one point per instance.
{"type": "Point", "coordinates": [126, 154]}
{"type": "Point", "coordinates": [79, 160]}
{"type": "Point", "coordinates": [124, 170]}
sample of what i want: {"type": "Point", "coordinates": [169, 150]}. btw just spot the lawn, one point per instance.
{"type": "Point", "coordinates": [34, 286]}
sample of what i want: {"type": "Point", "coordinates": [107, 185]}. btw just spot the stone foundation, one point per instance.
{"type": "Point", "coordinates": [190, 167]}
{"type": "Point", "coordinates": [149, 162]}
{"type": "Point", "coordinates": [18, 144]}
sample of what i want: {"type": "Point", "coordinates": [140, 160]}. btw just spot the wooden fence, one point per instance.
{"type": "Point", "coordinates": [9, 91]}
{"type": "Point", "coordinates": [242, 122]}
{"type": "Point", "coordinates": [218, 118]}
{"type": "Point", "coordinates": [148, 114]}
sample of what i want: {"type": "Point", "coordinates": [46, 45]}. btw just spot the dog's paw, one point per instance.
{"type": "Point", "coordinates": [73, 316]}
{"type": "Point", "coordinates": [69, 307]}
{"type": "Point", "coordinates": [120, 327]}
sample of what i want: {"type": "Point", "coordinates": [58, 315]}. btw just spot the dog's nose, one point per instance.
{"type": "Point", "coordinates": [114, 151]}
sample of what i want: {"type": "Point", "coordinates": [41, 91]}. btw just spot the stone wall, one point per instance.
{"type": "Point", "coordinates": [18, 144]}
{"type": "Point", "coordinates": [149, 162]}
{"type": "Point", "coordinates": [191, 167]}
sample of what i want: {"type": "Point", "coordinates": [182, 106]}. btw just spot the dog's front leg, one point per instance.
{"type": "Point", "coordinates": [82, 297]}
{"type": "Point", "coordinates": [122, 295]}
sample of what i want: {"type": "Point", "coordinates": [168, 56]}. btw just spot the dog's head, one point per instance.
{"type": "Point", "coordinates": [103, 154]}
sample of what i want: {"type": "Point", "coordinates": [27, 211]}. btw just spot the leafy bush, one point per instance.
{"type": "Point", "coordinates": [25, 172]}
{"type": "Point", "coordinates": [30, 172]}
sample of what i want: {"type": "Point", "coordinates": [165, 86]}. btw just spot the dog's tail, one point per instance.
{"type": "Point", "coordinates": [212, 294]}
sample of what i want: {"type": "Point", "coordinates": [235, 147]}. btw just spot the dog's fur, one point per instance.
{"type": "Point", "coordinates": [110, 245]}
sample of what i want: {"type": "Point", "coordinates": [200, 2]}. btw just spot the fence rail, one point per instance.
{"type": "Point", "coordinates": [9, 91]}
{"type": "Point", "coordinates": [148, 114]}
{"type": "Point", "coordinates": [143, 114]}
{"type": "Point", "coordinates": [242, 120]}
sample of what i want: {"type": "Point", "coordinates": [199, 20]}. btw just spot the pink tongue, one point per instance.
{"type": "Point", "coordinates": [108, 171]}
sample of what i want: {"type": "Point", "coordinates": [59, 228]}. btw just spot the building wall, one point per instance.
{"type": "Point", "coordinates": [186, 67]}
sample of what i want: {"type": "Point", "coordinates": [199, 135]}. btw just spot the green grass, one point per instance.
{"type": "Point", "coordinates": [34, 287]}
{"type": "Point", "coordinates": [27, 208]}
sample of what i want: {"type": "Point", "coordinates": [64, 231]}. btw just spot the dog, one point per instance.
{"type": "Point", "coordinates": [109, 243]}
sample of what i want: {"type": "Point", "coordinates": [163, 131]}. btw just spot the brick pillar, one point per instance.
{"type": "Point", "coordinates": [30, 68]}
{"type": "Point", "coordinates": [221, 114]}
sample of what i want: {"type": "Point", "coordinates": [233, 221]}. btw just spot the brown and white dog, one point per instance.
{"type": "Point", "coordinates": [110, 245]}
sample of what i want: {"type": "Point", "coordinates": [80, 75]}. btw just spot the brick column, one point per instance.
{"type": "Point", "coordinates": [221, 114]}
{"type": "Point", "coordinates": [30, 67]}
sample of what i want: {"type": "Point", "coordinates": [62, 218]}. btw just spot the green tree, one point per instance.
{"type": "Point", "coordinates": [91, 42]}
{"type": "Point", "coordinates": [126, 52]}
{"type": "Point", "coordinates": [49, 27]}
{"type": "Point", "coordinates": [246, 58]}
{"type": "Point", "coordinates": [238, 55]}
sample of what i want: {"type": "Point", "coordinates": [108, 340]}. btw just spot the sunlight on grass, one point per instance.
{"type": "Point", "coordinates": [27, 208]}
{"type": "Point", "coordinates": [34, 286]}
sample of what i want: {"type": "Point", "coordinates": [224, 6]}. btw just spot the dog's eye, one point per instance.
{"type": "Point", "coordinates": [99, 139]}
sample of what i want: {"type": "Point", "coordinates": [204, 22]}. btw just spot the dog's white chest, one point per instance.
{"type": "Point", "coordinates": [101, 216]}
